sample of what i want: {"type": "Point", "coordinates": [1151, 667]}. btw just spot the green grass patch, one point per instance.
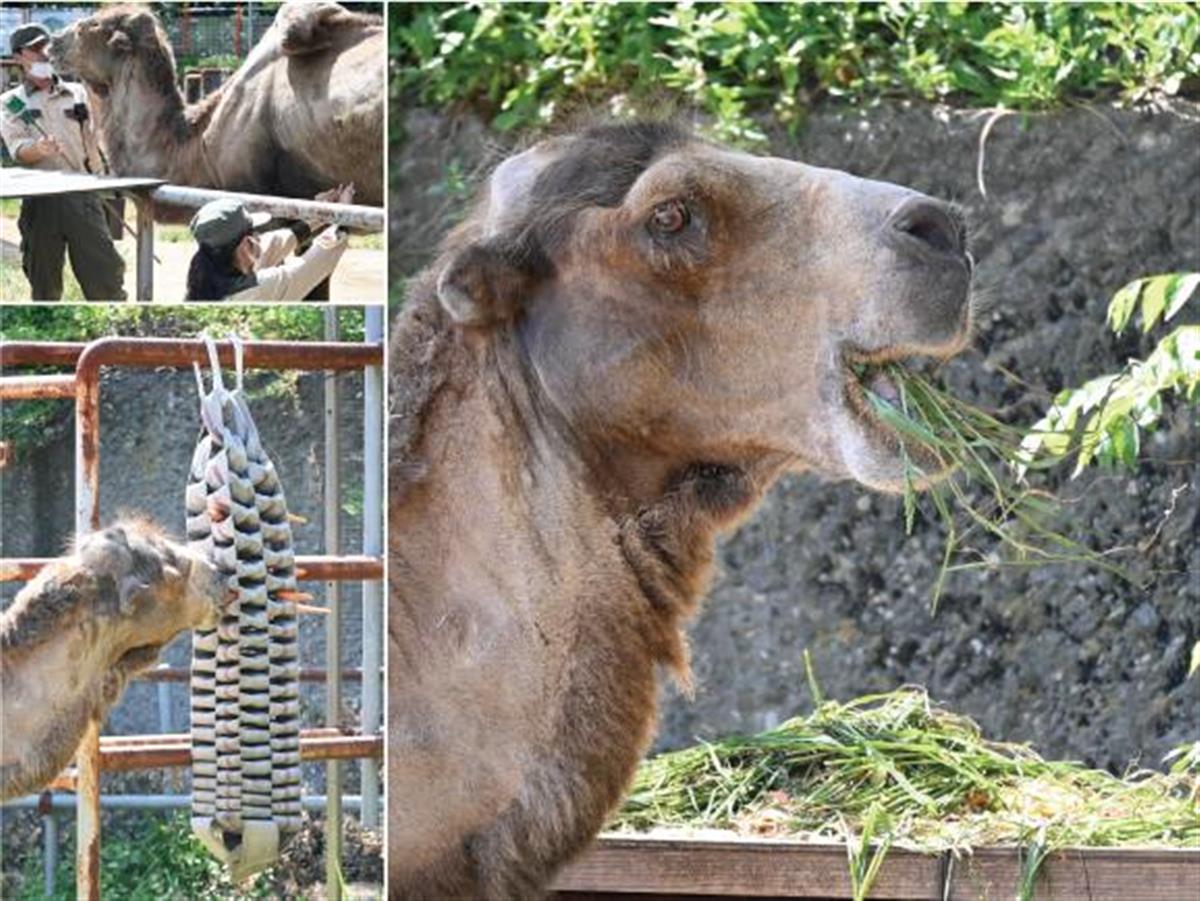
{"type": "Point", "coordinates": [527, 64]}
{"type": "Point", "coordinates": [906, 772]}
{"type": "Point", "coordinates": [277, 322]}
{"type": "Point", "coordinates": [165, 860]}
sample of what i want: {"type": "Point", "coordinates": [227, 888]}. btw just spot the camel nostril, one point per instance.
{"type": "Point", "coordinates": [933, 224]}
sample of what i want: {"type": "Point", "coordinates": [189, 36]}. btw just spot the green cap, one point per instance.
{"type": "Point", "coordinates": [28, 36]}
{"type": "Point", "coordinates": [225, 221]}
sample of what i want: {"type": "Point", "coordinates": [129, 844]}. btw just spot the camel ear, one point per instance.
{"type": "Point", "coordinates": [483, 285]}
{"type": "Point", "coordinates": [119, 43]}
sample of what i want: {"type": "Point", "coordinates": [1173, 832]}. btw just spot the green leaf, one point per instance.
{"type": "Point", "coordinates": [1120, 309]}
{"type": "Point", "coordinates": [1195, 664]}
{"type": "Point", "coordinates": [1182, 289]}
{"type": "Point", "coordinates": [1154, 300]}
{"type": "Point", "coordinates": [1126, 442]}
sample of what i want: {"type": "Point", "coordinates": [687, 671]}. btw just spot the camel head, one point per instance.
{"type": "Point", "coordinates": [103, 48]}
{"type": "Point", "coordinates": [126, 591]}
{"type": "Point", "coordinates": [678, 300]}
{"type": "Point", "coordinates": [73, 637]}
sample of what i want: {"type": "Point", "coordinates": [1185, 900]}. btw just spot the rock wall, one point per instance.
{"type": "Point", "coordinates": [1071, 658]}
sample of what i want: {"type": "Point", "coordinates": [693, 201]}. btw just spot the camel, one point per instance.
{"type": "Point", "coordinates": [631, 337]}
{"type": "Point", "coordinates": [74, 636]}
{"type": "Point", "coordinates": [303, 113]}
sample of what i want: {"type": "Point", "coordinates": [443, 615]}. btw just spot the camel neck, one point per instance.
{"type": "Point", "coordinates": [145, 125]}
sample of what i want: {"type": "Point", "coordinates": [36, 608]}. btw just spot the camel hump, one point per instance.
{"type": "Point", "coordinates": [307, 28]}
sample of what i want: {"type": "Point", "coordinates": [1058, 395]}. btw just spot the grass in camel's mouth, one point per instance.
{"type": "Point", "coordinates": [983, 494]}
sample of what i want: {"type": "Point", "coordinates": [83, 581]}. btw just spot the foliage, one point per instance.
{"type": "Point", "coordinates": [896, 770]}
{"type": "Point", "coordinates": [165, 860]}
{"type": "Point", "coordinates": [1103, 420]}
{"type": "Point", "coordinates": [34, 423]}
{"type": "Point", "coordinates": [281, 322]}
{"type": "Point", "coordinates": [979, 495]}
{"type": "Point", "coordinates": [527, 64]}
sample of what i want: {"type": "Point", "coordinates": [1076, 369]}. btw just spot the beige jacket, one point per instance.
{"type": "Point", "coordinates": [48, 108]}
{"type": "Point", "coordinates": [283, 278]}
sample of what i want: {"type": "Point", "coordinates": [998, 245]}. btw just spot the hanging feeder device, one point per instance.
{"type": "Point", "coordinates": [245, 698]}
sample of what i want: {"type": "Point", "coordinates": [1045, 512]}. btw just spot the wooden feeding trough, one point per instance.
{"type": "Point", "coordinates": [623, 867]}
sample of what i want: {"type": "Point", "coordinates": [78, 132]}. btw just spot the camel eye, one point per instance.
{"type": "Point", "coordinates": [669, 217]}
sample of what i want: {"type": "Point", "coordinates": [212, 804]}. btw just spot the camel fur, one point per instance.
{"type": "Point", "coordinates": [303, 113]}
{"type": "Point", "coordinates": [80, 630]}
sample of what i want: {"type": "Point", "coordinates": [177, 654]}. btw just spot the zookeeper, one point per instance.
{"type": "Point", "coordinates": [46, 124]}
{"type": "Point", "coordinates": [238, 261]}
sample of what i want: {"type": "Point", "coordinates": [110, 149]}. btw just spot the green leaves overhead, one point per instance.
{"type": "Point", "coordinates": [529, 64]}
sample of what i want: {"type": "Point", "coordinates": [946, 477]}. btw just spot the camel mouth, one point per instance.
{"type": "Point", "coordinates": [870, 377]}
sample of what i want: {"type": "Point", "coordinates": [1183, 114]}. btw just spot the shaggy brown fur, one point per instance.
{"type": "Point", "coordinates": [73, 637]}
{"type": "Point", "coordinates": [302, 114]}
{"type": "Point", "coordinates": [632, 336]}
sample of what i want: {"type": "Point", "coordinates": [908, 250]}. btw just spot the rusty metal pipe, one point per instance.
{"type": "Point", "coordinates": [87, 815]}
{"type": "Point", "coordinates": [308, 569]}
{"type": "Point", "coordinates": [33, 387]}
{"type": "Point", "coordinates": [40, 353]}
{"type": "Point", "coordinates": [184, 351]}
{"type": "Point", "coordinates": [122, 758]}
{"type": "Point", "coordinates": [153, 352]}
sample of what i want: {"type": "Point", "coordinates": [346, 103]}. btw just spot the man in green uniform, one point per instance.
{"type": "Point", "coordinates": [45, 125]}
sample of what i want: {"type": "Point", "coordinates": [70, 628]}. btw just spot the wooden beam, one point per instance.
{"type": "Point", "coordinates": [627, 866]}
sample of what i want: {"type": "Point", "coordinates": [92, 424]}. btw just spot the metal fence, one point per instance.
{"type": "Point", "coordinates": [172, 750]}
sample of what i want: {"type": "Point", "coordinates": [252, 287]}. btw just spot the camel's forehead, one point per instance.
{"type": "Point", "coordinates": [517, 184]}
{"type": "Point", "coordinates": [113, 16]}
{"type": "Point", "coordinates": [698, 166]}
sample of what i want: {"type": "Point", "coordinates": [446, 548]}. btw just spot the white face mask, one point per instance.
{"type": "Point", "coordinates": [41, 70]}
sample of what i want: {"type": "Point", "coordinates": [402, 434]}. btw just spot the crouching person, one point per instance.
{"type": "Point", "coordinates": [237, 260]}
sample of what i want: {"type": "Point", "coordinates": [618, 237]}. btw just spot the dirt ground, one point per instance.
{"type": "Point", "coordinates": [360, 276]}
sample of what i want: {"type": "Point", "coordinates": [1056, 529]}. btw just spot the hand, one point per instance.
{"type": "Point", "coordinates": [39, 150]}
{"type": "Point", "coordinates": [329, 196]}
{"type": "Point", "coordinates": [340, 194]}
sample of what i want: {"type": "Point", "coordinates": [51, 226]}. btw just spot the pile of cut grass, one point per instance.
{"type": "Point", "coordinates": [909, 774]}
{"type": "Point", "coordinates": [979, 450]}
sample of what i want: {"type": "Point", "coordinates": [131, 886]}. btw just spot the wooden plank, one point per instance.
{"type": "Point", "coordinates": [738, 867]}
{"type": "Point", "coordinates": [20, 181]}
{"type": "Point", "coordinates": [1098, 874]}
{"type": "Point", "coordinates": [627, 866]}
